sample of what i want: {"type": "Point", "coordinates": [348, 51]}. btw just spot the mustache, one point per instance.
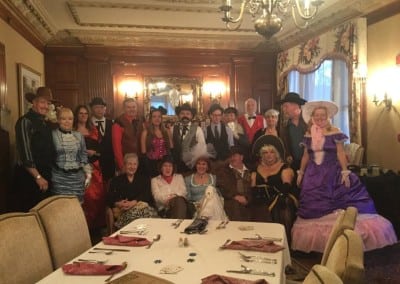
{"type": "Point", "coordinates": [185, 119]}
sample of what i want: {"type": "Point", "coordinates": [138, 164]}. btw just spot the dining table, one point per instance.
{"type": "Point", "coordinates": [188, 258]}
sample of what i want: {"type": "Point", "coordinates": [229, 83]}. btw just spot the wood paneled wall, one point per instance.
{"type": "Point", "coordinates": [77, 74]}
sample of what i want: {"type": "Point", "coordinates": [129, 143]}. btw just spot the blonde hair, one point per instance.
{"type": "Point", "coordinates": [271, 112]}
{"type": "Point", "coordinates": [310, 123]}
{"type": "Point", "coordinates": [270, 147]}
{"type": "Point", "coordinates": [131, 156]}
{"type": "Point", "coordinates": [63, 110]}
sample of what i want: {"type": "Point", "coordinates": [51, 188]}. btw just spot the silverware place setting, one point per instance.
{"type": "Point", "coordinates": [247, 270]}
{"type": "Point", "coordinates": [222, 225]}
{"type": "Point", "coordinates": [257, 258]}
{"type": "Point", "coordinates": [177, 223]}
{"type": "Point", "coordinates": [259, 237]}
{"type": "Point", "coordinates": [106, 252]}
{"type": "Point", "coordinates": [128, 232]}
{"type": "Point", "coordinates": [111, 249]}
{"type": "Point", "coordinates": [92, 260]}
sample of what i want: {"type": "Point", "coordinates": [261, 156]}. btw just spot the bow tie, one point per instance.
{"type": "Point", "coordinates": [251, 117]}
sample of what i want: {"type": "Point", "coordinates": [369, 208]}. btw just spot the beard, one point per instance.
{"type": "Point", "coordinates": [185, 120]}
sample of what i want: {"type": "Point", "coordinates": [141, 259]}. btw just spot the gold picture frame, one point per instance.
{"type": "Point", "coordinates": [28, 81]}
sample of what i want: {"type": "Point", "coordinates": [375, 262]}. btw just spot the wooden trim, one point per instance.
{"type": "Point", "coordinates": [11, 17]}
{"type": "Point", "coordinates": [383, 13]}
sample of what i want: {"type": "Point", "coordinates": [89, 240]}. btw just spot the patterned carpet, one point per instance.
{"type": "Point", "coordinates": [382, 266]}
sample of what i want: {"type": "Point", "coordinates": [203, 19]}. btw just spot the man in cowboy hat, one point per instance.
{"type": "Point", "coordinates": [188, 138]}
{"type": "Point", "coordinates": [104, 127]}
{"type": "Point", "coordinates": [36, 153]}
{"type": "Point", "coordinates": [293, 131]}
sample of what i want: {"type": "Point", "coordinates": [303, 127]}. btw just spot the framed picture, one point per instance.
{"type": "Point", "coordinates": [28, 81]}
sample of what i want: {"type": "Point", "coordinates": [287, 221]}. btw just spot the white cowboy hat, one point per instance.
{"type": "Point", "coordinates": [309, 107]}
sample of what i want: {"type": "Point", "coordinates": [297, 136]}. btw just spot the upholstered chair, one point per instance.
{"type": "Point", "coordinates": [345, 220]}
{"type": "Point", "coordinates": [65, 226]}
{"type": "Point", "coordinates": [320, 274]}
{"type": "Point", "coordinates": [346, 259]}
{"type": "Point", "coordinates": [24, 254]}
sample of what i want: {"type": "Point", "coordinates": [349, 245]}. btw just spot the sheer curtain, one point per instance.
{"type": "Point", "coordinates": [330, 82]}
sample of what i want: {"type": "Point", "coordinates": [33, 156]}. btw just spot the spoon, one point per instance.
{"type": "Point", "coordinates": [108, 252]}
{"type": "Point", "coordinates": [155, 239]}
{"type": "Point", "coordinates": [226, 242]}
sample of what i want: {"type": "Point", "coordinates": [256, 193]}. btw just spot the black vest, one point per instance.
{"type": "Point", "coordinates": [221, 144]}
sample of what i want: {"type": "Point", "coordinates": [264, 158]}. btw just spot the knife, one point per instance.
{"type": "Point", "coordinates": [246, 270]}
{"type": "Point", "coordinates": [111, 249]}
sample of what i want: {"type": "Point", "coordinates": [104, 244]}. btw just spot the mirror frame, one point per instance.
{"type": "Point", "coordinates": [195, 82]}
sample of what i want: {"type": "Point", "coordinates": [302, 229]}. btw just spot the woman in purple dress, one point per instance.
{"type": "Point", "coordinates": [328, 186]}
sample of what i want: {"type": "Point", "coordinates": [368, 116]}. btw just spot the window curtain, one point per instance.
{"type": "Point", "coordinates": [346, 42]}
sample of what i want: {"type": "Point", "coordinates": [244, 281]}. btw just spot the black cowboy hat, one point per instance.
{"type": "Point", "coordinates": [185, 106]}
{"type": "Point", "coordinates": [293, 97]}
{"type": "Point", "coordinates": [161, 109]}
{"type": "Point", "coordinates": [268, 140]}
{"type": "Point", "coordinates": [97, 101]}
{"type": "Point", "coordinates": [41, 92]}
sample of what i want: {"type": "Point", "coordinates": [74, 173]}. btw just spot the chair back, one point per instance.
{"type": "Point", "coordinates": [65, 227]}
{"type": "Point", "coordinates": [320, 274]}
{"type": "Point", "coordinates": [346, 258]}
{"type": "Point", "coordinates": [354, 153]}
{"type": "Point", "coordinates": [345, 220]}
{"type": "Point", "coordinates": [24, 254]}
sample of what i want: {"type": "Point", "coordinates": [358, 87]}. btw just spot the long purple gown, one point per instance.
{"type": "Point", "coordinates": [322, 191]}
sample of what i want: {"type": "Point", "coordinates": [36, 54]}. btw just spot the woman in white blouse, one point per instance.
{"type": "Point", "coordinates": [169, 192]}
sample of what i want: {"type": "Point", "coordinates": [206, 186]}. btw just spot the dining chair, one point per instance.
{"type": "Point", "coordinates": [320, 274]}
{"type": "Point", "coordinates": [354, 153]}
{"type": "Point", "coordinates": [346, 259]}
{"type": "Point", "coordinates": [65, 227]}
{"type": "Point", "coordinates": [24, 254]}
{"type": "Point", "coordinates": [345, 220]}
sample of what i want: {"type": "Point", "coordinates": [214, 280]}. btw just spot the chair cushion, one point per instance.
{"type": "Point", "coordinates": [321, 274]}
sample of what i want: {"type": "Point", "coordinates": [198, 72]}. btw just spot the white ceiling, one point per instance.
{"type": "Point", "coordinates": [168, 23]}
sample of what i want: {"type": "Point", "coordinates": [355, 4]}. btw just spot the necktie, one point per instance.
{"type": "Point", "coordinates": [216, 133]}
{"type": "Point", "coordinates": [184, 131]}
{"type": "Point", "coordinates": [100, 126]}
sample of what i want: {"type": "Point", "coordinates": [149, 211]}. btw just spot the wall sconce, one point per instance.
{"type": "Point", "coordinates": [131, 89]}
{"type": "Point", "coordinates": [386, 101]}
{"type": "Point", "coordinates": [215, 89]}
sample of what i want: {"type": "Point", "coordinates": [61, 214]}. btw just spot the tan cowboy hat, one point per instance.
{"type": "Point", "coordinates": [41, 92]}
{"type": "Point", "coordinates": [309, 107]}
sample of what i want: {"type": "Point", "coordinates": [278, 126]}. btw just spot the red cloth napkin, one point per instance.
{"type": "Point", "coordinates": [221, 279]}
{"type": "Point", "coordinates": [88, 268]}
{"type": "Point", "coordinates": [120, 240]}
{"type": "Point", "coordinates": [254, 245]}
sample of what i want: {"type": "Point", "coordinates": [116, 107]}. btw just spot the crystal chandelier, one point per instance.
{"type": "Point", "coordinates": [269, 23]}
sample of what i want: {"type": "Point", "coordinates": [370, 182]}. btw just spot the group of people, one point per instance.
{"type": "Point", "coordinates": [239, 167]}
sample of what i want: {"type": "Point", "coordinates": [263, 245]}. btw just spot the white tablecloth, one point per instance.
{"type": "Point", "coordinates": [209, 259]}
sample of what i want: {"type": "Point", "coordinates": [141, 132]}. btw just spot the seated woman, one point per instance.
{"type": "Point", "coordinates": [273, 192]}
{"type": "Point", "coordinates": [129, 194]}
{"type": "Point", "coordinates": [202, 193]}
{"type": "Point", "coordinates": [327, 186]}
{"type": "Point", "coordinates": [169, 192]}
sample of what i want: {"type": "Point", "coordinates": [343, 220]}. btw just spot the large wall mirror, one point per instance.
{"type": "Point", "coordinates": [171, 91]}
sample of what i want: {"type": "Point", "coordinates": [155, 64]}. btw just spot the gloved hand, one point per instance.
{"type": "Point", "coordinates": [345, 178]}
{"type": "Point", "coordinates": [299, 177]}
{"type": "Point", "coordinates": [88, 179]}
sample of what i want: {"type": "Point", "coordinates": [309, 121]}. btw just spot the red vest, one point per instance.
{"type": "Point", "coordinates": [250, 131]}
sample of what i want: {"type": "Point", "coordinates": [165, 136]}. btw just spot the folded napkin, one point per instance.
{"type": "Point", "coordinates": [136, 277]}
{"type": "Point", "coordinates": [221, 279]}
{"type": "Point", "coordinates": [88, 268]}
{"type": "Point", "coordinates": [254, 245]}
{"type": "Point", "coordinates": [120, 240]}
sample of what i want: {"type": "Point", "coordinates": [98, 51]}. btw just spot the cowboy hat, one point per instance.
{"type": "Point", "coordinates": [97, 101]}
{"type": "Point", "coordinates": [292, 97]}
{"type": "Point", "coordinates": [41, 92]}
{"type": "Point", "coordinates": [185, 106]}
{"type": "Point", "coordinates": [268, 140]}
{"type": "Point", "coordinates": [309, 107]}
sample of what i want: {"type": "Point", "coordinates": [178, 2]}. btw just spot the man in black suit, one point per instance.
{"type": "Point", "coordinates": [104, 126]}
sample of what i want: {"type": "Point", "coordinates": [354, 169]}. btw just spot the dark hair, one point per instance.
{"type": "Point", "coordinates": [89, 125]}
{"type": "Point", "coordinates": [231, 110]}
{"type": "Point", "coordinates": [203, 159]}
{"type": "Point", "coordinates": [128, 100]}
{"type": "Point", "coordinates": [167, 159]}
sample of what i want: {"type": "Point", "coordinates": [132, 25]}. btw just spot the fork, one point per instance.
{"type": "Point", "coordinates": [254, 258]}
{"type": "Point", "coordinates": [92, 260]}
